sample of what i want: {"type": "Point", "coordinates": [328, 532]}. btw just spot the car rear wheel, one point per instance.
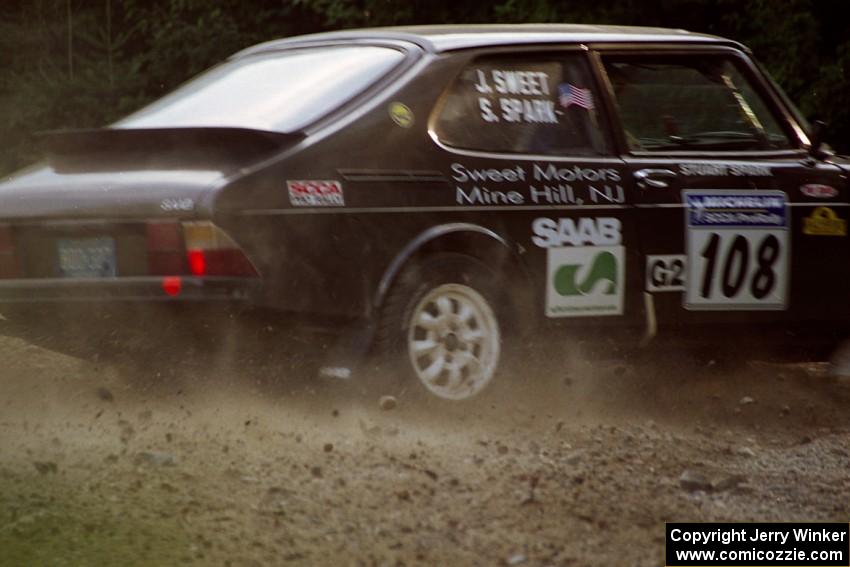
{"type": "Point", "coordinates": [441, 328]}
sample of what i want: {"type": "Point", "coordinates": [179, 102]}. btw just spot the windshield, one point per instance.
{"type": "Point", "coordinates": [281, 91]}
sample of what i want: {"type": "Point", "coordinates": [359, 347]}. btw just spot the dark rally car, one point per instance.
{"type": "Point", "coordinates": [436, 192]}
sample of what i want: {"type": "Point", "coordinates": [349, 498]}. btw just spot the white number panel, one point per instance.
{"type": "Point", "coordinates": [738, 250]}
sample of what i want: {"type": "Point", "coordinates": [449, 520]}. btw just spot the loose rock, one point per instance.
{"type": "Point", "coordinates": [692, 481]}
{"type": "Point", "coordinates": [156, 458]}
{"type": "Point", "coordinates": [746, 452]}
{"type": "Point", "coordinates": [47, 467]}
{"type": "Point", "coordinates": [729, 482]}
{"type": "Point", "coordinates": [105, 395]}
{"type": "Point", "coordinates": [388, 403]}
{"type": "Point", "coordinates": [368, 428]}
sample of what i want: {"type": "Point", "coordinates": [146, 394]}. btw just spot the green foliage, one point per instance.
{"type": "Point", "coordinates": [84, 63]}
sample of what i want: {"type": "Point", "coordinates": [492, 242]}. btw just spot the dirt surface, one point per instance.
{"type": "Point", "coordinates": [574, 464]}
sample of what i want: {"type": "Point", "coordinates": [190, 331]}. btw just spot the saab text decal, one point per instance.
{"type": "Point", "coordinates": [177, 204]}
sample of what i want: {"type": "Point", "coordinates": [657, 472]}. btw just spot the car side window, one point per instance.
{"type": "Point", "coordinates": [544, 105]}
{"type": "Point", "coordinates": [689, 103]}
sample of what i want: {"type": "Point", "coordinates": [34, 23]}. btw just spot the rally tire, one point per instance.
{"type": "Point", "coordinates": [441, 330]}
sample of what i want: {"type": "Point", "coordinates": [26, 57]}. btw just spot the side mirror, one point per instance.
{"type": "Point", "coordinates": [816, 149]}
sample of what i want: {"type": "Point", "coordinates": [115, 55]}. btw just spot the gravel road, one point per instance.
{"type": "Point", "coordinates": [241, 465]}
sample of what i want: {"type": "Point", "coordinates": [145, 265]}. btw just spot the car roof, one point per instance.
{"type": "Point", "coordinates": [439, 39]}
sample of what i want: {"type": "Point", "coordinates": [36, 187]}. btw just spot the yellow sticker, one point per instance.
{"type": "Point", "coordinates": [824, 222]}
{"type": "Point", "coordinates": [401, 114]}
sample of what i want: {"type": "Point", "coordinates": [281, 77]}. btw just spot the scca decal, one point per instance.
{"type": "Point", "coordinates": [315, 193]}
{"type": "Point", "coordinates": [602, 231]}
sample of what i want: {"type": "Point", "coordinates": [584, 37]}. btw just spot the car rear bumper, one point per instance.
{"type": "Point", "coordinates": [132, 289]}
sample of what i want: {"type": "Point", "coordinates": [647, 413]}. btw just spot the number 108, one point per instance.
{"type": "Point", "coordinates": [738, 268]}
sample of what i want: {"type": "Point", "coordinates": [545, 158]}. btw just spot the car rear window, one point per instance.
{"type": "Point", "coordinates": [281, 91]}
{"type": "Point", "coordinates": [542, 105]}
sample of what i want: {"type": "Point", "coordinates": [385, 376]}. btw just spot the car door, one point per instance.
{"type": "Point", "coordinates": [737, 224]}
{"type": "Point", "coordinates": [528, 152]}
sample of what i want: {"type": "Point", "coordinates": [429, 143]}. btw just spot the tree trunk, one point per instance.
{"type": "Point", "coordinates": [70, 41]}
{"type": "Point", "coordinates": [109, 44]}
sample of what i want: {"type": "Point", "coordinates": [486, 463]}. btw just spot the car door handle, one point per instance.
{"type": "Point", "coordinates": [650, 178]}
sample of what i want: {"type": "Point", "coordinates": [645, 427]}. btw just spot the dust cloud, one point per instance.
{"type": "Point", "coordinates": [244, 458]}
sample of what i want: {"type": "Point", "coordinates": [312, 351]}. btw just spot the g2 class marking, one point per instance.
{"type": "Point", "coordinates": [666, 272]}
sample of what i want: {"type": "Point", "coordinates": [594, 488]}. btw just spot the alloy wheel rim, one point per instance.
{"type": "Point", "coordinates": [454, 342]}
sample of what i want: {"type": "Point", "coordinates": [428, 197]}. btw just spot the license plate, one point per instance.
{"type": "Point", "coordinates": [87, 257]}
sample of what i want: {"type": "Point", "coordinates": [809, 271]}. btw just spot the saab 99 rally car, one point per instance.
{"type": "Point", "coordinates": [436, 190]}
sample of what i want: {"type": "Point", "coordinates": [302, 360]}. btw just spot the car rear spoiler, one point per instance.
{"type": "Point", "coordinates": [168, 148]}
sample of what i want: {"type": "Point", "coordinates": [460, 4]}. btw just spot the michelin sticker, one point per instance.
{"type": "Point", "coordinates": [737, 250]}
{"type": "Point", "coordinates": [585, 273]}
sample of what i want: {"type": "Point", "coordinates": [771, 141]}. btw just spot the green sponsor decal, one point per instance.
{"type": "Point", "coordinates": [604, 268]}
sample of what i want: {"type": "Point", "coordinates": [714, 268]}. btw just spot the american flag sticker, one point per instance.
{"type": "Point", "coordinates": [569, 95]}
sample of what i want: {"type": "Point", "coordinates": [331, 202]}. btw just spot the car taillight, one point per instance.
{"type": "Point", "coordinates": [9, 267]}
{"type": "Point", "coordinates": [165, 248]}
{"type": "Point", "coordinates": [211, 252]}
